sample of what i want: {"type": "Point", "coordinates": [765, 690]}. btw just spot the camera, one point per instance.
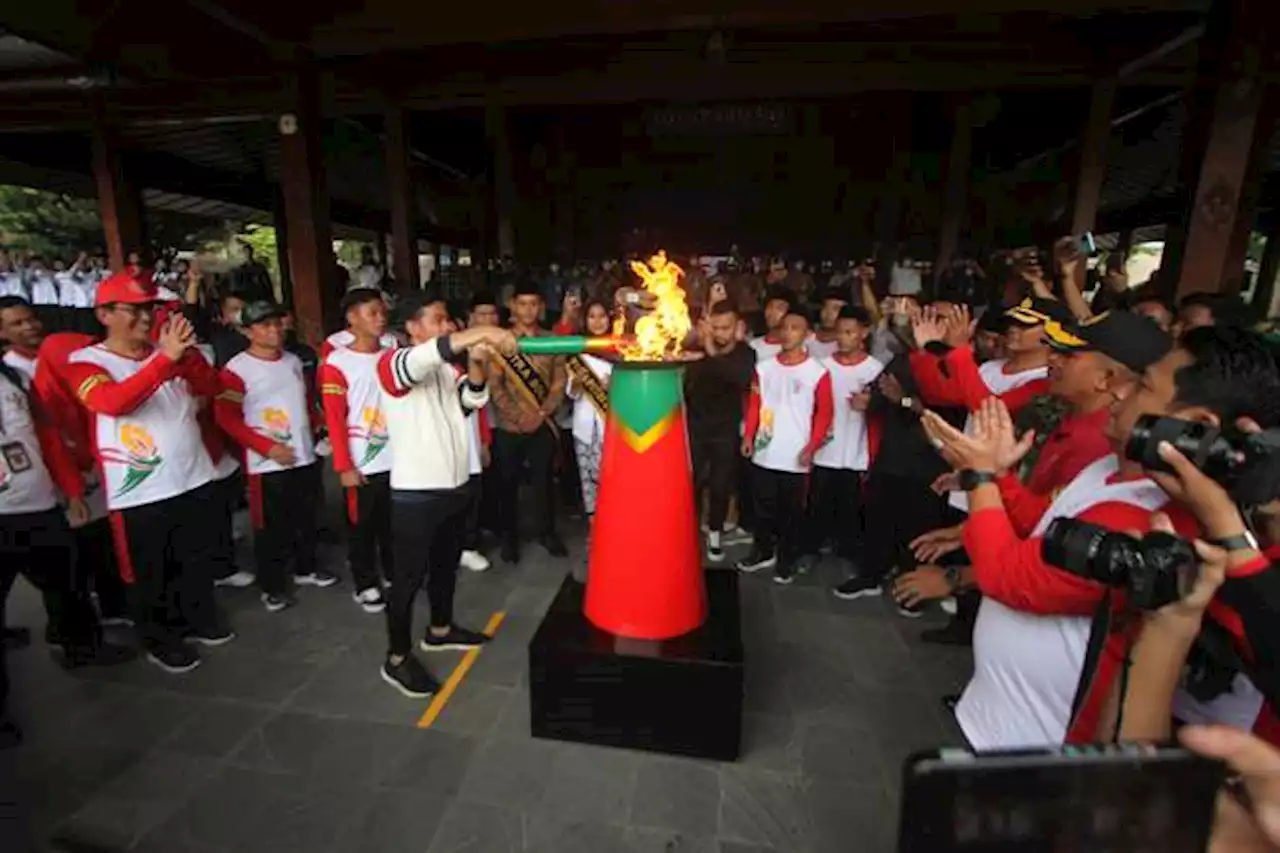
{"type": "Point", "coordinates": [1246, 465]}
{"type": "Point", "coordinates": [1155, 570]}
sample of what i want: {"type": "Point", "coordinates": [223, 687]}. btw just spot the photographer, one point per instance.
{"type": "Point", "coordinates": [1034, 626]}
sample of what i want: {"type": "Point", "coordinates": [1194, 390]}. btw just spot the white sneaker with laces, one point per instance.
{"type": "Point", "coordinates": [237, 580]}
{"type": "Point", "coordinates": [474, 561]}
{"type": "Point", "coordinates": [370, 600]}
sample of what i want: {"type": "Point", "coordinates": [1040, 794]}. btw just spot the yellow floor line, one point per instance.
{"type": "Point", "coordinates": [459, 673]}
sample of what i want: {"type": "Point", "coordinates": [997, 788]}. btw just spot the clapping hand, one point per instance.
{"type": "Point", "coordinates": [176, 337]}
{"type": "Point", "coordinates": [929, 328]}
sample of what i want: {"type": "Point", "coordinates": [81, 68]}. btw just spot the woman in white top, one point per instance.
{"type": "Point", "coordinates": [588, 388]}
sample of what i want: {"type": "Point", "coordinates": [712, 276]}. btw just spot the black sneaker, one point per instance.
{"type": "Point", "coordinates": [320, 578]}
{"type": "Point", "coordinates": [409, 677]}
{"type": "Point", "coordinates": [98, 654]}
{"type": "Point", "coordinates": [910, 611]}
{"type": "Point", "coordinates": [210, 636]}
{"type": "Point", "coordinates": [458, 640]}
{"type": "Point", "coordinates": [756, 561]}
{"type": "Point", "coordinates": [856, 587]}
{"type": "Point", "coordinates": [715, 554]}
{"type": "Point", "coordinates": [785, 574]}
{"type": "Point", "coordinates": [554, 545]}
{"type": "Point", "coordinates": [806, 564]}
{"type": "Point", "coordinates": [510, 551]}
{"type": "Point", "coordinates": [954, 633]}
{"type": "Point", "coordinates": [174, 659]}
{"type": "Point", "coordinates": [276, 603]}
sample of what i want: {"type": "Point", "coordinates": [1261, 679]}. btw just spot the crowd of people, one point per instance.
{"type": "Point", "coordinates": [935, 440]}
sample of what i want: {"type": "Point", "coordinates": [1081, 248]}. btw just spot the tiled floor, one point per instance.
{"type": "Point", "coordinates": [288, 740]}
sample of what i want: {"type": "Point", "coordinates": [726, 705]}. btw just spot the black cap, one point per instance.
{"type": "Point", "coordinates": [1128, 338]}
{"type": "Point", "coordinates": [257, 312]}
{"type": "Point", "coordinates": [1034, 311]}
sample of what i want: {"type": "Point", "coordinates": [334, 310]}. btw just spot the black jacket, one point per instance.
{"type": "Point", "coordinates": [716, 388]}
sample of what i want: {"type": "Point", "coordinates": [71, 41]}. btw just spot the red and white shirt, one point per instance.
{"type": "Point", "coordinates": [353, 410]}
{"type": "Point", "coordinates": [846, 446]}
{"type": "Point", "coordinates": [265, 403]}
{"type": "Point", "coordinates": [789, 410]}
{"type": "Point", "coordinates": [145, 432]}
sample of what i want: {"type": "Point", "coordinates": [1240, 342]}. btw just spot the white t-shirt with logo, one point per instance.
{"type": "Point", "coordinates": [25, 482]}
{"type": "Point", "coordinates": [847, 446]}
{"type": "Point", "coordinates": [366, 418]}
{"type": "Point", "coordinates": [275, 405]}
{"type": "Point", "coordinates": [788, 398]}
{"type": "Point", "coordinates": [154, 452]}
{"type": "Point", "coordinates": [1026, 666]}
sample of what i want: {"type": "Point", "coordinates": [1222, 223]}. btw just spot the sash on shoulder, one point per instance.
{"type": "Point", "coordinates": [586, 378]}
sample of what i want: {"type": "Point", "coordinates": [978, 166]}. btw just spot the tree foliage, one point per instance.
{"type": "Point", "coordinates": [48, 223]}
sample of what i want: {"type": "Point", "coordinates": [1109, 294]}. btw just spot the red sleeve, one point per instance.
{"type": "Point", "coordinates": [1024, 394]}
{"type": "Point", "coordinates": [1023, 506]}
{"type": "Point", "coordinates": [102, 395]}
{"type": "Point", "coordinates": [1010, 569]}
{"type": "Point", "coordinates": [935, 389]}
{"type": "Point", "coordinates": [970, 387]}
{"type": "Point", "coordinates": [486, 429]}
{"type": "Point", "coordinates": [752, 420]}
{"type": "Point", "coordinates": [69, 419]}
{"type": "Point", "coordinates": [333, 399]}
{"type": "Point", "coordinates": [391, 375]}
{"type": "Point", "coordinates": [325, 349]}
{"type": "Point", "coordinates": [200, 374]}
{"type": "Point", "coordinates": [228, 411]}
{"type": "Point", "coordinates": [823, 413]}
{"type": "Point", "coordinates": [57, 457]}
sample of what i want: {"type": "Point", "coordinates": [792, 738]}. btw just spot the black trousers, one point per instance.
{"type": "Point", "coordinates": [428, 536]}
{"type": "Point", "coordinates": [835, 511]}
{"type": "Point", "coordinates": [715, 470]}
{"type": "Point", "coordinates": [40, 547]}
{"type": "Point", "coordinates": [369, 531]}
{"type": "Point", "coordinates": [779, 505]}
{"type": "Point", "coordinates": [475, 500]}
{"type": "Point", "coordinates": [283, 507]}
{"type": "Point", "coordinates": [97, 568]}
{"type": "Point", "coordinates": [746, 494]}
{"type": "Point", "coordinates": [511, 451]}
{"type": "Point", "coordinates": [167, 553]}
{"type": "Point", "coordinates": [898, 509]}
{"type": "Point", "coordinates": [228, 492]}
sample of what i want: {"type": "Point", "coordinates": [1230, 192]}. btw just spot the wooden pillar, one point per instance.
{"type": "Point", "coordinates": [1091, 159]}
{"type": "Point", "coordinates": [958, 176]}
{"type": "Point", "coordinates": [306, 210]}
{"type": "Point", "coordinates": [119, 204]}
{"type": "Point", "coordinates": [281, 223]}
{"type": "Point", "coordinates": [404, 235]}
{"type": "Point", "coordinates": [503, 185]}
{"type": "Point", "coordinates": [1230, 105]}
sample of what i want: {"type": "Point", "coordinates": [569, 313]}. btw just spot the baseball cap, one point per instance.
{"type": "Point", "coordinates": [126, 288]}
{"type": "Point", "coordinates": [257, 312]}
{"type": "Point", "coordinates": [1035, 311]}
{"type": "Point", "coordinates": [1128, 338]}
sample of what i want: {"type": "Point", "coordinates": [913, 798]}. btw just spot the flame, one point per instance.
{"type": "Point", "coordinates": [137, 441]}
{"type": "Point", "coordinates": [660, 333]}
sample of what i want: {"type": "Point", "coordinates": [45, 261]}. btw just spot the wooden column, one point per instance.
{"type": "Point", "coordinates": [281, 223]}
{"type": "Point", "coordinates": [306, 211]}
{"type": "Point", "coordinates": [1230, 106]}
{"type": "Point", "coordinates": [503, 185]}
{"type": "Point", "coordinates": [1091, 159]}
{"type": "Point", "coordinates": [958, 175]}
{"type": "Point", "coordinates": [119, 204]}
{"type": "Point", "coordinates": [404, 235]}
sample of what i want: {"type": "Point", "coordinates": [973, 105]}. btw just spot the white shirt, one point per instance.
{"type": "Point", "coordinates": [11, 285]}
{"type": "Point", "coordinates": [847, 446]}
{"type": "Point", "coordinates": [366, 436]}
{"type": "Point", "coordinates": [227, 464]}
{"type": "Point", "coordinates": [44, 290]}
{"type": "Point", "coordinates": [820, 349]}
{"type": "Point", "coordinates": [788, 398]}
{"type": "Point", "coordinates": [25, 482]}
{"type": "Point", "coordinates": [1026, 666]}
{"type": "Point", "coordinates": [154, 452]}
{"type": "Point", "coordinates": [76, 290]}
{"type": "Point", "coordinates": [275, 405]}
{"type": "Point", "coordinates": [21, 363]}
{"type": "Point", "coordinates": [587, 422]}
{"type": "Point", "coordinates": [475, 464]}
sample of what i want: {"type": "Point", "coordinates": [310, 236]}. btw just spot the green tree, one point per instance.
{"type": "Point", "coordinates": [48, 223]}
{"type": "Point", "coordinates": [262, 239]}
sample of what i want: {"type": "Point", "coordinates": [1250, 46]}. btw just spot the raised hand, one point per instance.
{"type": "Point", "coordinates": [960, 326]}
{"type": "Point", "coordinates": [993, 426]}
{"type": "Point", "coordinates": [176, 337]}
{"type": "Point", "coordinates": [930, 327]}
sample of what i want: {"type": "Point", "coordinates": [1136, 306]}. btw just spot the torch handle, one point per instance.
{"type": "Point", "coordinates": [566, 344]}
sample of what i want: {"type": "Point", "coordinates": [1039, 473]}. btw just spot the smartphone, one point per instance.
{"type": "Point", "coordinates": [1103, 798]}
{"type": "Point", "coordinates": [1087, 245]}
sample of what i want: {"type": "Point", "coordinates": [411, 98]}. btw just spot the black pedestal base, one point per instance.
{"type": "Point", "coordinates": [680, 696]}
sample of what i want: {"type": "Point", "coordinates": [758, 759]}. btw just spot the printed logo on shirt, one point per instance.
{"type": "Point", "coordinates": [374, 433]}
{"type": "Point", "coordinates": [4, 481]}
{"type": "Point", "coordinates": [140, 457]}
{"type": "Point", "coordinates": [276, 422]}
{"type": "Point", "coordinates": [765, 432]}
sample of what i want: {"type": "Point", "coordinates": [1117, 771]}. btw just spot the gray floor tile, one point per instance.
{"type": "Point", "coordinates": [469, 827]}
{"type": "Point", "coordinates": [319, 750]}
{"type": "Point", "coordinates": [771, 742]}
{"type": "Point", "coordinates": [434, 763]}
{"type": "Point", "coordinates": [238, 672]}
{"type": "Point", "coordinates": [298, 820]}
{"type": "Point", "coordinates": [474, 708]}
{"type": "Point", "coordinates": [591, 784]}
{"type": "Point", "coordinates": [843, 753]}
{"type": "Point", "coordinates": [508, 772]}
{"type": "Point", "coordinates": [739, 847]}
{"type": "Point", "coordinates": [844, 818]}
{"type": "Point", "coordinates": [350, 685]}
{"type": "Point", "coordinates": [221, 812]}
{"type": "Point", "coordinates": [764, 808]}
{"type": "Point", "coordinates": [553, 834]}
{"type": "Point", "coordinates": [394, 822]}
{"type": "Point", "coordinates": [216, 728]}
{"type": "Point", "coordinates": [640, 839]}
{"type": "Point", "coordinates": [677, 795]}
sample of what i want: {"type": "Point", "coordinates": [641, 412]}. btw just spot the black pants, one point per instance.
{"type": "Point", "coordinates": [475, 499]}
{"type": "Point", "coordinates": [228, 492]}
{"type": "Point", "coordinates": [511, 450]}
{"type": "Point", "coordinates": [167, 558]}
{"type": "Point", "coordinates": [369, 530]}
{"type": "Point", "coordinates": [40, 547]}
{"type": "Point", "coordinates": [428, 535]}
{"type": "Point", "coordinates": [779, 504]}
{"type": "Point", "coordinates": [835, 511]}
{"type": "Point", "coordinates": [566, 468]}
{"type": "Point", "coordinates": [283, 507]}
{"type": "Point", "coordinates": [715, 470]}
{"type": "Point", "coordinates": [490, 510]}
{"type": "Point", "coordinates": [746, 494]}
{"type": "Point", "coordinates": [97, 568]}
{"type": "Point", "coordinates": [898, 509]}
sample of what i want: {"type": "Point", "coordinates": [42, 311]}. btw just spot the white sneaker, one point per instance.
{"type": "Point", "coordinates": [715, 553]}
{"type": "Point", "coordinates": [370, 600]}
{"type": "Point", "coordinates": [239, 580]}
{"type": "Point", "coordinates": [474, 560]}
{"type": "Point", "coordinates": [948, 606]}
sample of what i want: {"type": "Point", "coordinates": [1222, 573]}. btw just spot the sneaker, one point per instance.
{"type": "Point", "coordinates": [554, 545]}
{"type": "Point", "coordinates": [856, 587]}
{"type": "Point", "coordinates": [236, 580]}
{"type": "Point", "coordinates": [735, 535]}
{"type": "Point", "coordinates": [805, 564]}
{"type": "Point", "coordinates": [785, 573]}
{"type": "Point", "coordinates": [98, 654]}
{"type": "Point", "coordinates": [211, 637]}
{"type": "Point", "coordinates": [954, 633]}
{"type": "Point", "coordinates": [756, 561]}
{"type": "Point", "coordinates": [510, 551]}
{"type": "Point", "coordinates": [115, 622]}
{"type": "Point", "coordinates": [409, 677]}
{"type": "Point", "coordinates": [319, 577]}
{"type": "Point", "coordinates": [458, 640]}
{"type": "Point", "coordinates": [715, 553]}
{"type": "Point", "coordinates": [910, 611]}
{"type": "Point", "coordinates": [276, 603]}
{"type": "Point", "coordinates": [474, 561]}
{"type": "Point", "coordinates": [948, 606]}
{"type": "Point", "coordinates": [174, 660]}
{"type": "Point", "coordinates": [370, 600]}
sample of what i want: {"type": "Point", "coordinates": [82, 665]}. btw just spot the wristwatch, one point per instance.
{"type": "Point", "coordinates": [971, 479]}
{"type": "Point", "coordinates": [1245, 541]}
{"type": "Point", "coordinates": [908, 402]}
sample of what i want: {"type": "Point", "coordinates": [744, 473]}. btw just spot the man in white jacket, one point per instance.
{"type": "Point", "coordinates": [425, 403]}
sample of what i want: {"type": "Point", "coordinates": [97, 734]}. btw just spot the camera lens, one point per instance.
{"type": "Point", "coordinates": [1193, 440]}
{"type": "Point", "coordinates": [1082, 549]}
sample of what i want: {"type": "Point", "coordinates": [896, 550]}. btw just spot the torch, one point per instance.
{"type": "Point", "coordinates": [571, 344]}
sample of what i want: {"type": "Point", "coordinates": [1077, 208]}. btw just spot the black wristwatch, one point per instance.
{"type": "Point", "coordinates": [971, 479]}
{"type": "Point", "coordinates": [1245, 541]}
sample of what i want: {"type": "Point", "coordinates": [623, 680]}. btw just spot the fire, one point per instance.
{"type": "Point", "coordinates": [660, 333]}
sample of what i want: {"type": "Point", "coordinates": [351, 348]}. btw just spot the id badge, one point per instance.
{"type": "Point", "coordinates": [16, 456]}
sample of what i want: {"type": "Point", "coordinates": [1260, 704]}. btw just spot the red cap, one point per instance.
{"type": "Point", "coordinates": [129, 288]}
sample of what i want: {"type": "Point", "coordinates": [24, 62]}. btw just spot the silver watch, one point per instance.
{"type": "Point", "coordinates": [908, 402]}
